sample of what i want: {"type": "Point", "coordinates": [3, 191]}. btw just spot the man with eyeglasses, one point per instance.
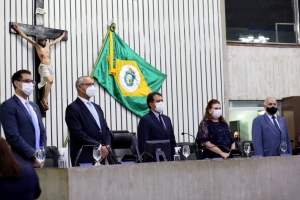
{"type": "Point", "coordinates": [22, 121]}
{"type": "Point", "coordinates": [86, 124]}
{"type": "Point", "coordinates": [45, 69]}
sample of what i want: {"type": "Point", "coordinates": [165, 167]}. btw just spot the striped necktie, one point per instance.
{"type": "Point", "coordinates": [162, 123]}
{"type": "Point", "coordinates": [275, 123]}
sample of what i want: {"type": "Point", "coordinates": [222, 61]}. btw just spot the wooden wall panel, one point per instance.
{"type": "Point", "coordinates": [259, 72]}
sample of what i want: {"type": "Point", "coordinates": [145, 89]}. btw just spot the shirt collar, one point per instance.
{"type": "Point", "coordinates": [21, 99]}
{"type": "Point", "coordinates": [83, 100]}
{"type": "Point", "coordinates": [156, 114]}
{"type": "Point", "coordinates": [270, 116]}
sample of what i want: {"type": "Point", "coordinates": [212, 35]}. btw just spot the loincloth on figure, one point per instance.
{"type": "Point", "coordinates": [44, 71]}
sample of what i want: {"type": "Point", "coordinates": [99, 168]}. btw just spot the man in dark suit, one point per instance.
{"type": "Point", "coordinates": [22, 121]}
{"type": "Point", "coordinates": [155, 125]}
{"type": "Point", "coordinates": [269, 131]}
{"type": "Point", "coordinates": [86, 123]}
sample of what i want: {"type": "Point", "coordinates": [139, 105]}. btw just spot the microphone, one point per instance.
{"type": "Point", "coordinates": [111, 157]}
{"type": "Point", "coordinates": [219, 146]}
{"type": "Point", "coordinates": [93, 141]}
{"type": "Point", "coordinates": [80, 150]}
{"type": "Point", "coordinates": [188, 134]}
{"type": "Point", "coordinates": [197, 150]}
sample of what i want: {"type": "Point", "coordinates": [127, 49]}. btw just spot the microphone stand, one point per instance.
{"type": "Point", "coordinates": [197, 150]}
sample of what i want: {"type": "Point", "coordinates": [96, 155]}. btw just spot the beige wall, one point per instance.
{"type": "Point", "coordinates": [258, 72]}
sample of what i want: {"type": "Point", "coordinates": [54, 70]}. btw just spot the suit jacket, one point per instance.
{"type": "Point", "coordinates": [149, 128]}
{"type": "Point", "coordinates": [18, 128]}
{"type": "Point", "coordinates": [267, 138]}
{"type": "Point", "coordinates": [84, 130]}
{"type": "Point", "coordinates": [27, 187]}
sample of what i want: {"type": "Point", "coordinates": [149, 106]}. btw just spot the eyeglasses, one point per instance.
{"type": "Point", "coordinates": [27, 81]}
{"type": "Point", "coordinates": [88, 84]}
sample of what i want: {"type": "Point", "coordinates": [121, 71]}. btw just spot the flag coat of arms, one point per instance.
{"type": "Point", "coordinates": [125, 75]}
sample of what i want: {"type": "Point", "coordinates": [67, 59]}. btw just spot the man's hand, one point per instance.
{"type": "Point", "coordinates": [38, 164]}
{"type": "Point", "coordinates": [15, 27]}
{"type": "Point", "coordinates": [104, 152]}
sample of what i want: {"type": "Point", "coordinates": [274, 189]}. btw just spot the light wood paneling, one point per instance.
{"type": "Point", "coordinates": [259, 72]}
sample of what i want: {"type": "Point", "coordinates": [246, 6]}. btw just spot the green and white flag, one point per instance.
{"type": "Point", "coordinates": [125, 75]}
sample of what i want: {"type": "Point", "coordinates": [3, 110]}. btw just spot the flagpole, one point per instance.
{"type": "Point", "coordinates": [99, 55]}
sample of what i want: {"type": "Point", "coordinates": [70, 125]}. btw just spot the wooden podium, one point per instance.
{"type": "Point", "coordinates": [291, 113]}
{"type": "Point", "coordinates": [266, 178]}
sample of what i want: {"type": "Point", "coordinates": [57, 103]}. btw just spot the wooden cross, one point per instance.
{"type": "Point", "coordinates": [36, 30]}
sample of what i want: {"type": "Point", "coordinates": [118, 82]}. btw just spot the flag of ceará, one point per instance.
{"type": "Point", "coordinates": [125, 75]}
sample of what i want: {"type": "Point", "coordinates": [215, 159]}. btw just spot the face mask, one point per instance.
{"type": "Point", "coordinates": [271, 110]}
{"type": "Point", "coordinates": [159, 107]}
{"type": "Point", "coordinates": [217, 114]}
{"type": "Point", "coordinates": [27, 88]}
{"type": "Point", "coordinates": [90, 91]}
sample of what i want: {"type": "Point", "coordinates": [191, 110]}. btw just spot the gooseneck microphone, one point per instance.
{"type": "Point", "coordinates": [80, 150]}
{"type": "Point", "coordinates": [83, 146]}
{"type": "Point", "coordinates": [197, 154]}
{"type": "Point", "coordinates": [111, 157]}
{"type": "Point", "coordinates": [93, 141]}
{"type": "Point", "coordinates": [197, 150]}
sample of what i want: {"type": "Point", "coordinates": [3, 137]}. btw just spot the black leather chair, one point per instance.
{"type": "Point", "coordinates": [124, 146]}
{"type": "Point", "coordinates": [134, 147]}
{"type": "Point", "coordinates": [239, 146]}
{"type": "Point", "coordinates": [52, 155]}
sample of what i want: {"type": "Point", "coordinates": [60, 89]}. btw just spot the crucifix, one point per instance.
{"type": "Point", "coordinates": [43, 65]}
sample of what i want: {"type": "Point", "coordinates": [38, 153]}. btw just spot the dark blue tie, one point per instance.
{"type": "Point", "coordinates": [162, 123]}
{"type": "Point", "coordinates": [275, 123]}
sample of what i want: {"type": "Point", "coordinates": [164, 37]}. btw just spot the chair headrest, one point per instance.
{"type": "Point", "coordinates": [121, 140]}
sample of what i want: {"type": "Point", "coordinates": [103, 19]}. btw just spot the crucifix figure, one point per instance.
{"type": "Point", "coordinates": [43, 63]}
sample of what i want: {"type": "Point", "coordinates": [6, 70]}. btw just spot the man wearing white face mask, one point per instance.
{"type": "Point", "coordinates": [155, 125]}
{"type": "Point", "coordinates": [86, 123]}
{"type": "Point", "coordinates": [22, 121]}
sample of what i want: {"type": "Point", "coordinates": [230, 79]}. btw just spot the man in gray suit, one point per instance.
{"type": "Point", "coordinates": [269, 131]}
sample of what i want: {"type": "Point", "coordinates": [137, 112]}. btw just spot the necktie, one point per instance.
{"type": "Point", "coordinates": [35, 124]}
{"type": "Point", "coordinates": [162, 123]}
{"type": "Point", "coordinates": [275, 123]}
{"type": "Point", "coordinates": [95, 114]}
